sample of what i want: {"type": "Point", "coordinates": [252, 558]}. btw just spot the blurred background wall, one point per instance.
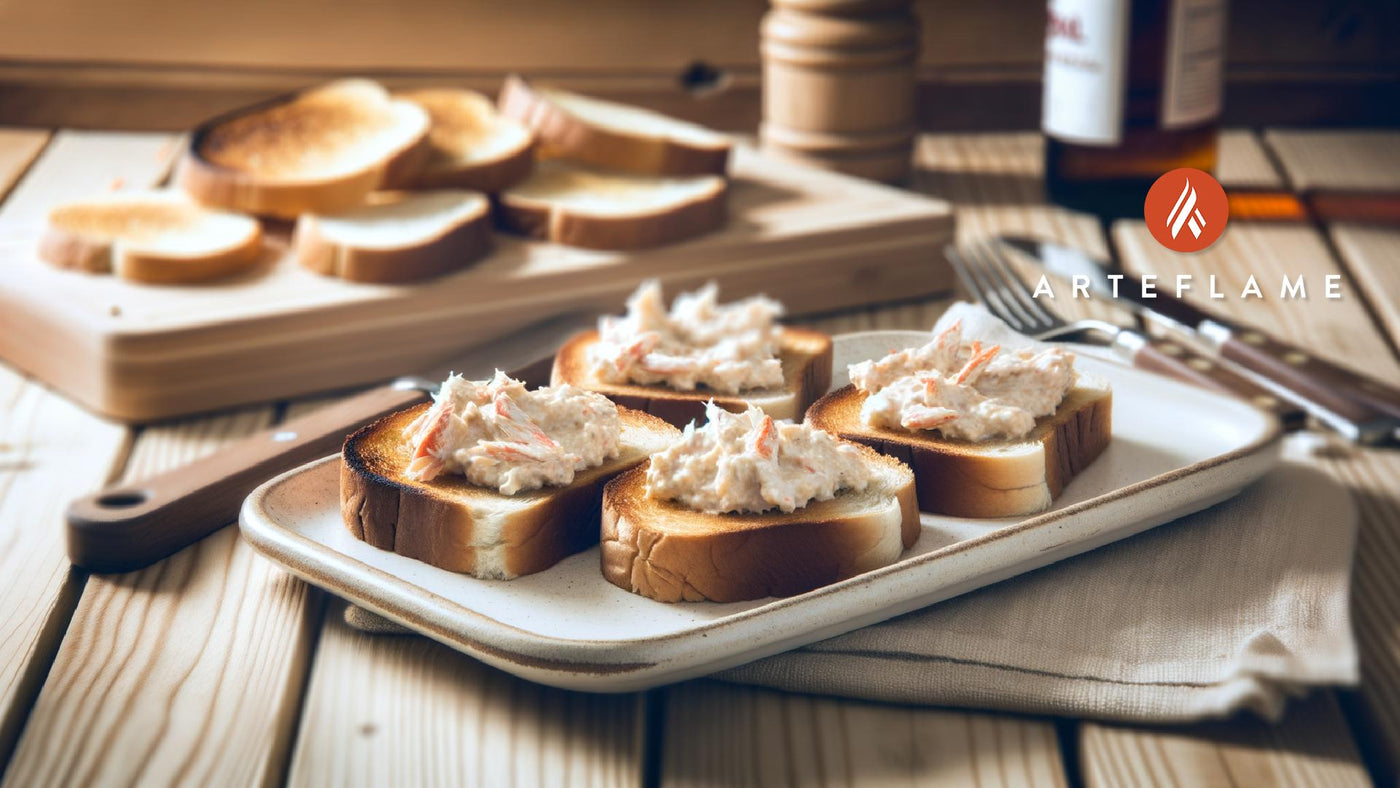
{"type": "Point", "coordinates": [164, 64]}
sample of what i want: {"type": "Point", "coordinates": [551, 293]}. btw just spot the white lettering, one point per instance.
{"type": "Point", "coordinates": [1293, 289]}
{"type": "Point", "coordinates": [1183, 283]}
{"type": "Point", "coordinates": [1149, 285]}
{"type": "Point", "coordinates": [1214, 293]}
{"type": "Point", "coordinates": [1252, 286]}
{"type": "Point", "coordinates": [1080, 282]}
{"type": "Point", "coordinates": [1043, 287]}
{"type": "Point", "coordinates": [1333, 287]}
{"type": "Point", "coordinates": [1115, 279]}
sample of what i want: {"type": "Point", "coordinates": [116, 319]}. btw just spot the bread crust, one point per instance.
{"type": "Point", "coordinates": [438, 522]}
{"type": "Point", "coordinates": [456, 247]}
{"type": "Point", "coordinates": [965, 479]}
{"type": "Point", "coordinates": [806, 358]}
{"type": "Point", "coordinates": [735, 557]}
{"type": "Point", "coordinates": [551, 221]}
{"type": "Point", "coordinates": [240, 190]}
{"type": "Point", "coordinates": [565, 135]}
{"type": "Point", "coordinates": [488, 176]}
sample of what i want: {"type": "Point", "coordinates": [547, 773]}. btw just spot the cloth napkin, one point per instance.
{"type": "Point", "coordinates": [1237, 607]}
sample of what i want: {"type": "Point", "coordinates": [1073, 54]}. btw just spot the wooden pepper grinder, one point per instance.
{"type": "Point", "coordinates": [839, 85]}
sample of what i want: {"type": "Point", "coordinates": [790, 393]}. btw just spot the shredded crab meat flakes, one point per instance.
{"type": "Point", "coordinates": [699, 342]}
{"type": "Point", "coordinates": [964, 390]}
{"type": "Point", "coordinates": [498, 434]}
{"type": "Point", "coordinates": [747, 462]}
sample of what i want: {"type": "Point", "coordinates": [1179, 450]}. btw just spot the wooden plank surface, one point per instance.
{"type": "Point", "coordinates": [1344, 160]}
{"type": "Point", "coordinates": [720, 734]}
{"type": "Point", "coordinates": [187, 671]}
{"type": "Point", "coordinates": [403, 710]}
{"type": "Point", "coordinates": [1342, 331]}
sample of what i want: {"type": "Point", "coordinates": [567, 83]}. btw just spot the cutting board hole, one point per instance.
{"type": "Point", "coordinates": [122, 499]}
{"type": "Point", "coordinates": [700, 78]}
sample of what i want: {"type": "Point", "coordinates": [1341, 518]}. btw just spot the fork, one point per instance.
{"type": "Point", "coordinates": [988, 276]}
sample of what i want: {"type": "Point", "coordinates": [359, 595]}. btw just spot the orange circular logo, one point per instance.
{"type": "Point", "coordinates": [1186, 210]}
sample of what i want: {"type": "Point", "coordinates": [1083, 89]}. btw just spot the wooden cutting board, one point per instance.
{"type": "Point", "coordinates": [815, 240]}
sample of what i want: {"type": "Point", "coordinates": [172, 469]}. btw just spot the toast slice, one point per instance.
{"type": "Point", "coordinates": [603, 210]}
{"type": "Point", "coordinates": [613, 136]}
{"type": "Point", "coordinates": [160, 237]}
{"type": "Point", "coordinates": [473, 146]}
{"type": "Point", "coordinates": [805, 356]}
{"type": "Point", "coordinates": [992, 479]}
{"type": "Point", "coordinates": [666, 551]}
{"type": "Point", "coordinates": [453, 524]}
{"type": "Point", "coordinates": [322, 150]}
{"type": "Point", "coordinates": [397, 236]}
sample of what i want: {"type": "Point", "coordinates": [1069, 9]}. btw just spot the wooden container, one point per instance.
{"type": "Point", "coordinates": [839, 84]}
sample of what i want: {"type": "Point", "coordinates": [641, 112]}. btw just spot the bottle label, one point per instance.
{"type": "Point", "coordinates": [1195, 63]}
{"type": "Point", "coordinates": [1086, 45]}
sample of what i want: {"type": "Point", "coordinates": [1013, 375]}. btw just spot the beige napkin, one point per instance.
{"type": "Point", "coordinates": [1237, 607]}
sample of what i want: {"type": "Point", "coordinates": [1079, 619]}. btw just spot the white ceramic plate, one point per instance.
{"type": "Point", "coordinates": [1175, 450]}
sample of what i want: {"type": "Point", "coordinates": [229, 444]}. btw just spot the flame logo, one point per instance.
{"type": "Point", "coordinates": [1185, 212]}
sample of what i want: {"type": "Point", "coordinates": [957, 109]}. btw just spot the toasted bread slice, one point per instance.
{"type": "Point", "coordinates": [603, 210]}
{"type": "Point", "coordinates": [666, 551]}
{"type": "Point", "coordinates": [992, 479]}
{"type": "Point", "coordinates": [614, 136]}
{"type": "Point", "coordinates": [456, 525]}
{"type": "Point", "coordinates": [160, 237]}
{"type": "Point", "coordinates": [472, 145]}
{"type": "Point", "coordinates": [322, 150]}
{"type": "Point", "coordinates": [806, 358]}
{"type": "Point", "coordinates": [397, 236]}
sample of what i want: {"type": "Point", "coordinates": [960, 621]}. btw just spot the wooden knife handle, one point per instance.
{"type": "Point", "coordinates": [134, 525]}
{"type": "Point", "coordinates": [1355, 397]}
{"type": "Point", "coordinates": [1175, 360]}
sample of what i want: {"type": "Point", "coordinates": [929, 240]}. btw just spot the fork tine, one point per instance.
{"type": "Point", "coordinates": [1025, 321]}
{"type": "Point", "coordinates": [1022, 292]}
{"type": "Point", "coordinates": [972, 273]}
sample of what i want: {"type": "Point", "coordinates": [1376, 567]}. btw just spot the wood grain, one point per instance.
{"type": "Point", "coordinates": [1341, 331]}
{"type": "Point", "coordinates": [187, 671]}
{"type": "Point", "coordinates": [140, 353]}
{"type": "Point", "coordinates": [1310, 748]}
{"type": "Point", "coordinates": [1370, 253]}
{"type": "Point", "coordinates": [384, 709]}
{"type": "Point", "coordinates": [719, 734]}
{"type": "Point", "coordinates": [1343, 160]}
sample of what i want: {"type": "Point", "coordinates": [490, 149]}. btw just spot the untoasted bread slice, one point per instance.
{"type": "Point", "coordinates": [453, 524]}
{"type": "Point", "coordinates": [614, 136]}
{"type": "Point", "coordinates": [666, 551]}
{"type": "Point", "coordinates": [992, 479]}
{"type": "Point", "coordinates": [603, 210]}
{"type": "Point", "coordinates": [322, 150]}
{"type": "Point", "coordinates": [472, 145]}
{"type": "Point", "coordinates": [160, 237]}
{"type": "Point", "coordinates": [397, 236]}
{"type": "Point", "coordinates": [806, 359]}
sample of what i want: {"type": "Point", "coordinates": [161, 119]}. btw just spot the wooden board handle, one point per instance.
{"type": "Point", "coordinates": [1175, 360]}
{"type": "Point", "coordinates": [134, 525]}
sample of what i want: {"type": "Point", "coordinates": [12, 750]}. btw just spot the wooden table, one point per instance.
{"type": "Point", "coordinates": [215, 667]}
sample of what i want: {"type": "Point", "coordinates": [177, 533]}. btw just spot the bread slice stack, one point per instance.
{"type": "Point", "coordinates": [613, 176]}
{"type": "Point", "coordinates": [156, 237]}
{"type": "Point", "coordinates": [992, 479]}
{"type": "Point", "coordinates": [668, 552]}
{"type": "Point", "coordinates": [453, 524]}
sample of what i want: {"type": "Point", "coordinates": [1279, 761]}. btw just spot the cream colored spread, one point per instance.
{"type": "Point", "coordinates": [962, 390]}
{"type": "Point", "coordinates": [499, 434]}
{"type": "Point", "coordinates": [698, 342]}
{"type": "Point", "coordinates": [747, 462]}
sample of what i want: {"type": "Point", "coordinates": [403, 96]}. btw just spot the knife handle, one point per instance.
{"type": "Point", "coordinates": [1357, 398]}
{"type": "Point", "coordinates": [133, 525]}
{"type": "Point", "coordinates": [1175, 360]}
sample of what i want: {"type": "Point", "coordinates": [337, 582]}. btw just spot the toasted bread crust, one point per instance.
{"type": "Point", "coordinates": [442, 172]}
{"type": "Point", "coordinates": [434, 522]}
{"type": "Point", "coordinates": [234, 188]}
{"type": "Point", "coordinates": [806, 357]}
{"type": "Point", "coordinates": [565, 135]}
{"type": "Point", "coordinates": [552, 221]}
{"type": "Point", "coordinates": [737, 557]}
{"type": "Point", "coordinates": [456, 247]}
{"type": "Point", "coordinates": [964, 479]}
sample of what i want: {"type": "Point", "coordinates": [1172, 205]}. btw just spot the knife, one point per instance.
{"type": "Point", "coordinates": [129, 526]}
{"type": "Point", "coordinates": [1361, 408]}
